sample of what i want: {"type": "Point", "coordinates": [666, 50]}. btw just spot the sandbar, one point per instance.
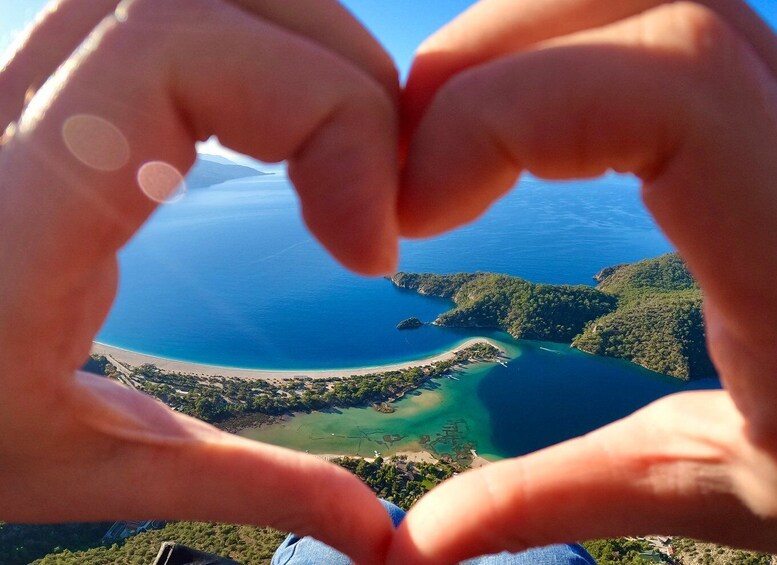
{"type": "Point", "coordinates": [134, 359]}
{"type": "Point", "coordinates": [412, 456]}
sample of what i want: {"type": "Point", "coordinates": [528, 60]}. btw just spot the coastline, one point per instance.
{"type": "Point", "coordinates": [419, 456]}
{"type": "Point", "coordinates": [117, 355]}
{"type": "Point", "coordinates": [414, 456]}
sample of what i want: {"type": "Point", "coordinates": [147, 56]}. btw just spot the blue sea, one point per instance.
{"type": "Point", "coordinates": [229, 275]}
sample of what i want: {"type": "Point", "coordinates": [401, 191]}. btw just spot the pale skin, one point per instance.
{"type": "Point", "coordinates": [683, 95]}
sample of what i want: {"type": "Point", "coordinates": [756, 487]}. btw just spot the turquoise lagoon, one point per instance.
{"type": "Point", "coordinates": [546, 394]}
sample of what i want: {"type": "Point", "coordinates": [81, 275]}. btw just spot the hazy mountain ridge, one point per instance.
{"type": "Point", "coordinates": [210, 170]}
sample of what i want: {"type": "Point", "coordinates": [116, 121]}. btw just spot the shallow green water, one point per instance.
{"type": "Point", "coordinates": [447, 411]}
{"type": "Point", "coordinates": [547, 393]}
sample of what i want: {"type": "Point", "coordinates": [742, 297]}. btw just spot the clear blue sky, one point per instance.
{"type": "Point", "coordinates": [400, 24]}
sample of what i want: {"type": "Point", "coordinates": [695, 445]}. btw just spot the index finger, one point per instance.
{"type": "Point", "coordinates": [110, 136]}
{"type": "Point", "coordinates": [494, 28]}
{"type": "Point", "coordinates": [329, 23]}
{"type": "Point", "coordinates": [64, 24]}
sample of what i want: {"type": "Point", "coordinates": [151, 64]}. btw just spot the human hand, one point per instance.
{"type": "Point", "coordinates": [684, 95]}
{"type": "Point", "coordinates": [92, 153]}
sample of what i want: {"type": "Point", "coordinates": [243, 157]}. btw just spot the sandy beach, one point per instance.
{"type": "Point", "coordinates": [117, 355]}
{"type": "Point", "coordinates": [412, 456]}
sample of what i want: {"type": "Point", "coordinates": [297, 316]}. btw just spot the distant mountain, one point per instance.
{"type": "Point", "coordinates": [215, 159]}
{"type": "Point", "coordinates": [647, 312]}
{"type": "Point", "coordinates": [210, 170]}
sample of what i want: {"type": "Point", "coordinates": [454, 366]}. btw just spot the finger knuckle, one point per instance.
{"type": "Point", "coordinates": [146, 36]}
{"type": "Point", "coordinates": [164, 10]}
{"type": "Point", "coordinates": [714, 69]}
{"type": "Point", "coordinates": [701, 36]}
{"type": "Point", "coordinates": [457, 95]}
{"type": "Point", "coordinates": [700, 24]}
{"type": "Point", "coordinates": [129, 32]}
{"type": "Point", "coordinates": [365, 97]}
{"type": "Point", "coordinates": [461, 107]}
{"type": "Point", "coordinates": [158, 24]}
{"type": "Point", "coordinates": [362, 119]}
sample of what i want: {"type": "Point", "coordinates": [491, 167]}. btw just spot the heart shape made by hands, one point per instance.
{"type": "Point", "coordinates": [684, 95]}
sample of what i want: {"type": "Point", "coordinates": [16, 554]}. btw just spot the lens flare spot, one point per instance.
{"type": "Point", "coordinates": [122, 11]}
{"type": "Point", "coordinates": [96, 142]}
{"type": "Point", "coordinates": [161, 182]}
{"type": "Point", "coordinates": [29, 95]}
{"type": "Point", "coordinates": [8, 134]}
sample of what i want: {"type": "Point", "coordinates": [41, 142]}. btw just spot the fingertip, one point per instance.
{"type": "Point", "coordinates": [363, 529]}
{"type": "Point", "coordinates": [429, 536]}
{"type": "Point", "coordinates": [352, 209]}
{"type": "Point", "coordinates": [383, 257]}
{"type": "Point", "coordinates": [405, 548]}
{"type": "Point", "coordinates": [379, 261]}
{"type": "Point", "coordinates": [420, 88]}
{"type": "Point", "coordinates": [448, 190]}
{"type": "Point", "coordinates": [416, 222]}
{"type": "Point", "coordinates": [402, 550]}
{"type": "Point", "coordinates": [455, 167]}
{"type": "Point", "coordinates": [291, 491]}
{"type": "Point", "coordinates": [365, 241]}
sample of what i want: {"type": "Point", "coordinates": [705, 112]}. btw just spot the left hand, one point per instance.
{"type": "Point", "coordinates": [684, 95]}
{"type": "Point", "coordinates": [86, 162]}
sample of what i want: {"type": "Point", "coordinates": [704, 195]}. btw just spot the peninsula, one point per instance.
{"type": "Point", "coordinates": [126, 358]}
{"type": "Point", "coordinates": [647, 312]}
{"type": "Point", "coordinates": [234, 399]}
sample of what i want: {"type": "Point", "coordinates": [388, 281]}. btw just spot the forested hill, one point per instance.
{"type": "Point", "coordinates": [524, 309]}
{"type": "Point", "coordinates": [658, 323]}
{"type": "Point", "coordinates": [663, 274]}
{"type": "Point", "coordinates": [647, 312]}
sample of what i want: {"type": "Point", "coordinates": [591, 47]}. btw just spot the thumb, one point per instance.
{"type": "Point", "coordinates": [115, 453]}
{"type": "Point", "coordinates": [661, 470]}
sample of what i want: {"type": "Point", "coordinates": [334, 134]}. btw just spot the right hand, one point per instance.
{"type": "Point", "coordinates": [684, 96]}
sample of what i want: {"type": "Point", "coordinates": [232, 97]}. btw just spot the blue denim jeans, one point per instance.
{"type": "Point", "coordinates": [309, 551]}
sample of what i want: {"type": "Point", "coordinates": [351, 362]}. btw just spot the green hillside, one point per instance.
{"type": "Point", "coordinates": [664, 274]}
{"type": "Point", "coordinates": [526, 310]}
{"type": "Point", "coordinates": [658, 323]}
{"type": "Point", "coordinates": [662, 333]}
{"type": "Point", "coordinates": [647, 312]}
